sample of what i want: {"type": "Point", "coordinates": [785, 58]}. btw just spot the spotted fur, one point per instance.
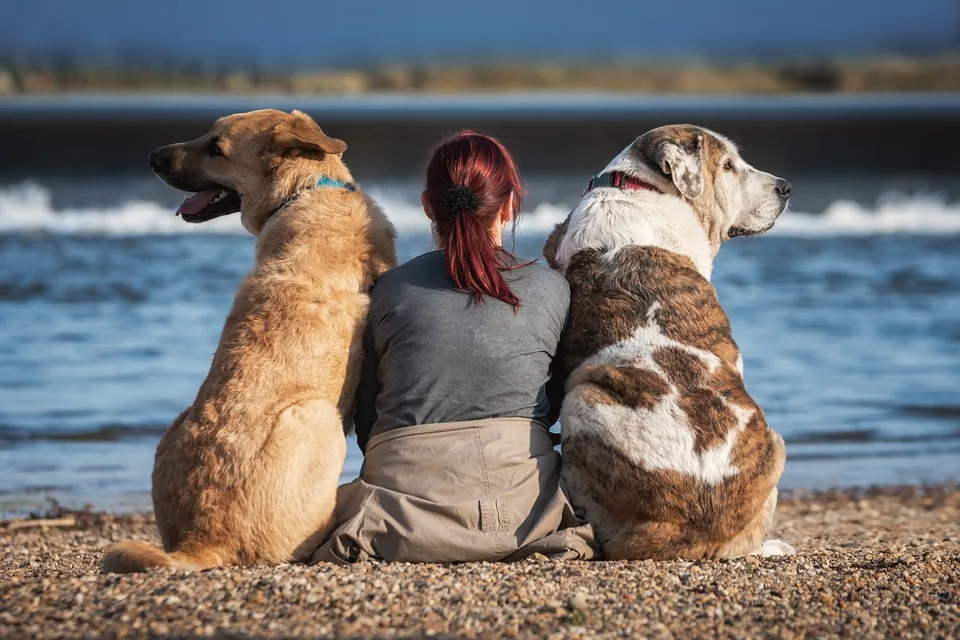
{"type": "Point", "coordinates": [665, 451]}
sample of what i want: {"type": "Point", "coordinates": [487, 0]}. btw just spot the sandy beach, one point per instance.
{"type": "Point", "coordinates": [872, 564]}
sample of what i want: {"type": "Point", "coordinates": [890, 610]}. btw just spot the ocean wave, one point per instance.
{"type": "Point", "coordinates": [28, 209]}
{"type": "Point", "coordinates": [103, 433]}
{"type": "Point", "coordinates": [893, 213]}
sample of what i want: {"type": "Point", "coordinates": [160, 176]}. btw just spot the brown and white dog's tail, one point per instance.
{"type": "Point", "coordinates": [658, 541]}
{"type": "Point", "coordinates": [135, 556]}
{"type": "Point", "coordinates": [724, 536]}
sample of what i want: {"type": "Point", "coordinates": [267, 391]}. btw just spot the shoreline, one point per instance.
{"type": "Point", "coordinates": [90, 134]}
{"type": "Point", "coordinates": [879, 73]}
{"type": "Point", "coordinates": [871, 563]}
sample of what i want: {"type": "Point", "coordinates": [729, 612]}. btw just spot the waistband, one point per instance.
{"type": "Point", "coordinates": [517, 429]}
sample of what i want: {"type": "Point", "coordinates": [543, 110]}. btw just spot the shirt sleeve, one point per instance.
{"type": "Point", "coordinates": [365, 414]}
{"type": "Point", "coordinates": [558, 378]}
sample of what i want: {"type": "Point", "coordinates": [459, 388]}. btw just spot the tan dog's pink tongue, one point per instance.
{"type": "Point", "coordinates": [196, 203]}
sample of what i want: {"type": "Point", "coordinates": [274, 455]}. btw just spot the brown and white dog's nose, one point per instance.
{"type": "Point", "coordinates": [160, 159]}
{"type": "Point", "coordinates": [783, 188]}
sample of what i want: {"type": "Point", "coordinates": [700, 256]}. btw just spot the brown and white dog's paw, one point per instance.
{"type": "Point", "coordinates": [775, 547]}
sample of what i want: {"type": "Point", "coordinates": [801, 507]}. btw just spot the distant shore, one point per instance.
{"type": "Point", "coordinates": [871, 564]}
{"type": "Point", "coordinates": [874, 75]}
{"type": "Point", "coordinates": [552, 133]}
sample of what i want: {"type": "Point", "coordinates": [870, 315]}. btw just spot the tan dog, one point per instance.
{"type": "Point", "coordinates": [664, 450]}
{"type": "Point", "coordinates": [248, 474]}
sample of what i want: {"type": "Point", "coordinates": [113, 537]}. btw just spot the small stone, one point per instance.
{"type": "Point", "coordinates": [891, 570]}
{"type": "Point", "coordinates": [579, 603]}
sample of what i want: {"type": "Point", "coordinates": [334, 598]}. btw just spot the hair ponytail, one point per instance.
{"type": "Point", "coordinates": [470, 178]}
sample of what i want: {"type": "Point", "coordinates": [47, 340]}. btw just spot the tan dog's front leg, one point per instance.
{"type": "Point", "coordinates": [296, 487]}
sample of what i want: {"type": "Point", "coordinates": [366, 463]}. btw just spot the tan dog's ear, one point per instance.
{"type": "Point", "coordinates": [677, 151]}
{"type": "Point", "coordinates": [301, 134]}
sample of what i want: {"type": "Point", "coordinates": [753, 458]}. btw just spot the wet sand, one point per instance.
{"type": "Point", "coordinates": [871, 564]}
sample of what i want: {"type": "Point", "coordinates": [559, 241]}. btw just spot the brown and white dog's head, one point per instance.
{"type": "Point", "coordinates": [251, 163]}
{"type": "Point", "coordinates": [730, 197]}
{"type": "Point", "coordinates": [702, 169]}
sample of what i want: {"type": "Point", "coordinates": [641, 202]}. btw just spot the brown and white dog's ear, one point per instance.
{"type": "Point", "coordinates": [553, 243]}
{"type": "Point", "coordinates": [301, 134]}
{"type": "Point", "coordinates": [677, 151]}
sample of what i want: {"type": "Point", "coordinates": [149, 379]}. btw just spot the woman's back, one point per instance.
{"type": "Point", "coordinates": [456, 396]}
{"type": "Point", "coordinates": [435, 355]}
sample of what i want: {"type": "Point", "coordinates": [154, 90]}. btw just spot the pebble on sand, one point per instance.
{"type": "Point", "coordinates": [871, 564]}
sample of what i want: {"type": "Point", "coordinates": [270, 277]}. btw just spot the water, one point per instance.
{"type": "Point", "coordinates": [111, 307]}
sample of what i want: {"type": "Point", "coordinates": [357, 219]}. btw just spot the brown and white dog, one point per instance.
{"type": "Point", "coordinates": [664, 451]}
{"type": "Point", "coordinates": [248, 474]}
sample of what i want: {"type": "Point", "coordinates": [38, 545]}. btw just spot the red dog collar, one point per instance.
{"type": "Point", "coordinates": [619, 180]}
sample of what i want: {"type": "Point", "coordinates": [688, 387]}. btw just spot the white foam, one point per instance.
{"type": "Point", "coordinates": [894, 213]}
{"type": "Point", "coordinates": [28, 208]}
{"type": "Point", "coordinates": [407, 214]}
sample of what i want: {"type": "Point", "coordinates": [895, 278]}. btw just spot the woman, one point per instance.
{"type": "Point", "coordinates": [455, 400]}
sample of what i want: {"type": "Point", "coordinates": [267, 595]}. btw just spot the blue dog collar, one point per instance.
{"type": "Point", "coordinates": [327, 181]}
{"type": "Point", "coordinates": [322, 181]}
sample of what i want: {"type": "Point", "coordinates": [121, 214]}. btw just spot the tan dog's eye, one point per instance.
{"type": "Point", "coordinates": [728, 164]}
{"type": "Point", "coordinates": [214, 148]}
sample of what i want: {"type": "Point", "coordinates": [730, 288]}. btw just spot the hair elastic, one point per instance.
{"type": "Point", "coordinates": [462, 197]}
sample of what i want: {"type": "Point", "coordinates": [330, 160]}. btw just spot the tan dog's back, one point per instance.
{"type": "Point", "coordinates": [248, 474]}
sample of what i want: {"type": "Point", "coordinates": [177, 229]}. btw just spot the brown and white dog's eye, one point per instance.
{"type": "Point", "coordinates": [728, 164]}
{"type": "Point", "coordinates": [214, 148]}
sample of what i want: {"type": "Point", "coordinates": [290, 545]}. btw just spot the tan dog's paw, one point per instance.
{"type": "Point", "coordinates": [775, 547]}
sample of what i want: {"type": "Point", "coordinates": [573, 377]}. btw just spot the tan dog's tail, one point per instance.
{"type": "Point", "coordinates": [134, 556]}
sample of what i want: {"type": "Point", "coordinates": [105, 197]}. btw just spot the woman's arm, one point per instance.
{"type": "Point", "coordinates": [365, 414]}
{"type": "Point", "coordinates": [555, 394]}
{"type": "Point", "coordinates": [555, 386]}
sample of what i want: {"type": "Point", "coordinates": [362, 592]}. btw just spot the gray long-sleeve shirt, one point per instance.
{"type": "Point", "coordinates": [433, 355]}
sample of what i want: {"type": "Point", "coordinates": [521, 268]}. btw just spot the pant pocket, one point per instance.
{"type": "Point", "coordinates": [494, 516]}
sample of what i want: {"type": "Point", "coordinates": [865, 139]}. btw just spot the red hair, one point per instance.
{"type": "Point", "coordinates": [483, 166]}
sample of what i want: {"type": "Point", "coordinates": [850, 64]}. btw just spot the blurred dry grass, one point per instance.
{"type": "Point", "coordinates": [891, 74]}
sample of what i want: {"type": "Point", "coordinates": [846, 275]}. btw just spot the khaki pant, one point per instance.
{"type": "Point", "coordinates": [487, 490]}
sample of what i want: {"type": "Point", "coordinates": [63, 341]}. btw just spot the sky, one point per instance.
{"type": "Point", "coordinates": [327, 33]}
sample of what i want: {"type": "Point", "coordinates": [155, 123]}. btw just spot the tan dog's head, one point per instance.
{"type": "Point", "coordinates": [731, 197]}
{"type": "Point", "coordinates": [251, 163]}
